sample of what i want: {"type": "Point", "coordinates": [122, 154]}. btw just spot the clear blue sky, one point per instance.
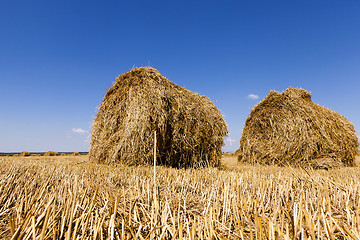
{"type": "Point", "coordinates": [58, 58]}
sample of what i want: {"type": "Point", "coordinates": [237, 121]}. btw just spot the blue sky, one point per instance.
{"type": "Point", "coordinates": [58, 58]}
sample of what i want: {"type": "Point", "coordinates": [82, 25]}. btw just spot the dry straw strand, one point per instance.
{"type": "Point", "coordinates": [190, 130]}
{"type": "Point", "coordinates": [289, 129]}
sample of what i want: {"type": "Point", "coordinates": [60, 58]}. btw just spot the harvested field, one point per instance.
{"type": "Point", "coordinates": [67, 197]}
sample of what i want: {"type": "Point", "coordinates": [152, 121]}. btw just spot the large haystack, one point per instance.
{"type": "Point", "coordinates": [289, 129]}
{"type": "Point", "coordinates": [190, 129]}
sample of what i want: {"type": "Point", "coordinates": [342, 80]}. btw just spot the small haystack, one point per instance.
{"type": "Point", "coordinates": [190, 130]}
{"type": "Point", "coordinates": [75, 154]}
{"type": "Point", "coordinates": [289, 129]}
{"type": "Point", "coordinates": [51, 153]}
{"type": "Point", "coordinates": [24, 154]}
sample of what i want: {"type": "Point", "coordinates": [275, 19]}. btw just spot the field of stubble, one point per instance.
{"type": "Point", "coordinates": [66, 197]}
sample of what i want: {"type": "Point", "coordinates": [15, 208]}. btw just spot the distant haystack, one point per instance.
{"type": "Point", "coordinates": [51, 153]}
{"type": "Point", "coordinates": [289, 129]}
{"type": "Point", "coordinates": [75, 154]}
{"type": "Point", "coordinates": [190, 130]}
{"type": "Point", "coordinates": [24, 154]}
{"type": "Point", "coordinates": [63, 154]}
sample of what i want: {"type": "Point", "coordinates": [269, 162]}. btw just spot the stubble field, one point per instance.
{"type": "Point", "coordinates": [66, 197]}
